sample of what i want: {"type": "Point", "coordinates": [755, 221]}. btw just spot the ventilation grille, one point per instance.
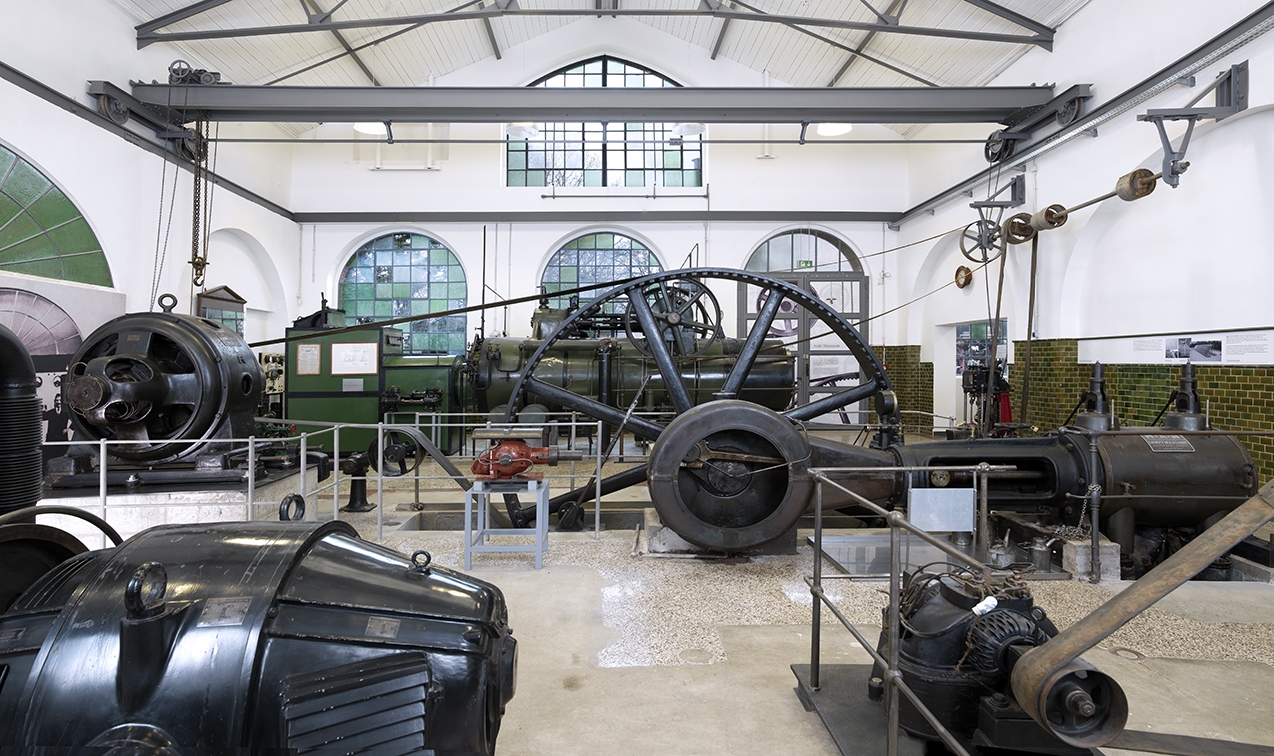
{"type": "Point", "coordinates": [377, 706]}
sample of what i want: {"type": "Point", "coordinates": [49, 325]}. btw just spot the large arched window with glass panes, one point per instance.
{"type": "Point", "coordinates": [827, 266]}
{"type": "Point", "coordinates": [804, 250]}
{"type": "Point", "coordinates": [596, 258]}
{"type": "Point", "coordinates": [611, 154]}
{"type": "Point", "coordinates": [403, 274]}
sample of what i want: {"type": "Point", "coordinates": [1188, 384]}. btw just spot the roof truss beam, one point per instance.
{"type": "Point", "coordinates": [495, 45]}
{"type": "Point", "coordinates": [511, 9]}
{"type": "Point", "coordinates": [1023, 21]}
{"type": "Point", "coordinates": [321, 16]}
{"type": "Point", "coordinates": [181, 14]}
{"type": "Point", "coordinates": [541, 104]}
{"type": "Point", "coordinates": [895, 9]}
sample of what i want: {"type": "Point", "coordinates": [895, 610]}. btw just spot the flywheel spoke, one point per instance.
{"type": "Point", "coordinates": [591, 407]}
{"type": "Point", "coordinates": [663, 358]}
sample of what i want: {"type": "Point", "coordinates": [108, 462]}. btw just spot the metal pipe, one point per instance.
{"type": "Point", "coordinates": [1030, 328]}
{"type": "Point", "coordinates": [984, 516]}
{"type": "Point", "coordinates": [1094, 509]}
{"type": "Point", "coordinates": [892, 675]}
{"type": "Point", "coordinates": [29, 514]}
{"type": "Point", "coordinates": [101, 481]}
{"type": "Point", "coordinates": [817, 588]}
{"type": "Point", "coordinates": [1037, 672]}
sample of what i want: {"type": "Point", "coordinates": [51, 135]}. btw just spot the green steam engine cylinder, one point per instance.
{"type": "Point", "coordinates": [580, 365]}
{"type": "Point", "coordinates": [354, 377]}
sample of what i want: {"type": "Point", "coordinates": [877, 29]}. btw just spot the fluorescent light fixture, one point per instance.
{"type": "Point", "coordinates": [834, 129]}
{"type": "Point", "coordinates": [688, 129]}
{"type": "Point", "coordinates": [522, 130]}
{"type": "Point", "coordinates": [371, 128]}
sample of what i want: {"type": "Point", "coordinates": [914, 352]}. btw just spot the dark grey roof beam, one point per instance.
{"type": "Point", "coordinates": [513, 10]}
{"type": "Point", "coordinates": [361, 47]}
{"type": "Point", "coordinates": [180, 14]}
{"type": "Point", "coordinates": [495, 46]}
{"type": "Point", "coordinates": [847, 48]}
{"type": "Point", "coordinates": [1023, 21]}
{"type": "Point", "coordinates": [554, 104]}
{"type": "Point", "coordinates": [895, 9]}
{"type": "Point", "coordinates": [711, 5]}
{"type": "Point", "coordinates": [321, 16]}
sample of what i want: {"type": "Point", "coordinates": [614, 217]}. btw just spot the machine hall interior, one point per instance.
{"type": "Point", "coordinates": [687, 376]}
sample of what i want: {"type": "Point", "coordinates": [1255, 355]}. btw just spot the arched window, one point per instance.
{"type": "Point", "coordinates": [804, 250]}
{"type": "Point", "coordinates": [403, 274]}
{"type": "Point", "coordinates": [604, 154]}
{"type": "Point", "coordinates": [596, 258]}
{"type": "Point", "coordinates": [42, 233]}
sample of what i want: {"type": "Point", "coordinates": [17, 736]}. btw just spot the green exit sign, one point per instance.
{"type": "Point", "coordinates": [804, 263]}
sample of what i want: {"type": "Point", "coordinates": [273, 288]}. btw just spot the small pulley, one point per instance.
{"type": "Point", "coordinates": [981, 241]}
{"type": "Point", "coordinates": [686, 317]}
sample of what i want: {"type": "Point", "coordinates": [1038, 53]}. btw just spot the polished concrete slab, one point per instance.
{"type": "Point", "coordinates": [626, 655]}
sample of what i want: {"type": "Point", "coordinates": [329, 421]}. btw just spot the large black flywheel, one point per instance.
{"type": "Point", "coordinates": [727, 474]}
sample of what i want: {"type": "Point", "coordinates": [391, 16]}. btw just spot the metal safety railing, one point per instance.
{"type": "Point", "coordinates": [892, 676]}
{"type": "Point", "coordinates": [327, 437]}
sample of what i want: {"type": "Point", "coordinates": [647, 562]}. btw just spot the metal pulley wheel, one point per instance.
{"type": "Point", "coordinates": [170, 384]}
{"type": "Point", "coordinates": [1135, 185]}
{"type": "Point", "coordinates": [402, 452]}
{"type": "Point", "coordinates": [113, 109]}
{"type": "Point", "coordinates": [686, 317]}
{"type": "Point", "coordinates": [1051, 217]}
{"type": "Point", "coordinates": [997, 148]}
{"type": "Point", "coordinates": [981, 241]}
{"type": "Point", "coordinates": [731, 474]}
{"type": "Point", "coordinates": [1070, 111]}
{"type": "Point", "coordinates": [1018, 229]}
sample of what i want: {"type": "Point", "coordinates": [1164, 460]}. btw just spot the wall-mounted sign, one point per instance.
{"type": "Point", "coordinates": [354, 359]}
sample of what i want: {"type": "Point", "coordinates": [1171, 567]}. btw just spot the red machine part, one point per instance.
{"type": "Point", "coordinates": [511, 458]}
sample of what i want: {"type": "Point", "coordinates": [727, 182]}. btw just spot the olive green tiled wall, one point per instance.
{"type": "Point", "coordinates": [912, 380]}
{"type": "Point", "coordinates": [41, 231]}
{"type": "Point", "coordinates": [1241, 398]}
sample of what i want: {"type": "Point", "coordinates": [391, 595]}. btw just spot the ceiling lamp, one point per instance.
{"type": "Point", "coordinates": [371, 128]}
{"type": "Point", "coordinates": [688, 129]}
{"type": "Point", "coordinates": [834, 129]}
{"type": "Point", "coordinates": [522, 130]}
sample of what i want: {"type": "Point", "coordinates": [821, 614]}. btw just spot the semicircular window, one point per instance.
{"type": "Point", "coordinates": [404, 274]}
{"type": "Point", "coordinates": [597, 258]}
{"type": "Point", "coordinates": [804, 250]}
{"type": "Point", "coordinates": [42, 233]}
{"type": "Point", "coordinates": [612, 153]}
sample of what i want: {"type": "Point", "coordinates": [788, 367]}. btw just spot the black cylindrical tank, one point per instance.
{"type": "Point", "coordinates": [256, 635]}
{"type": "Point", "coordinates": [171, 383]}
{"type": "Point", "coordinates": [1166, 477]}
{"type": "Point", "coordinates": [21, 429]}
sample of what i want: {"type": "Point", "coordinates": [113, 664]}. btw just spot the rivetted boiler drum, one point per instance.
{"type": "Point", "coordinates": [200, 638]}
{"type": "Point", "coordinates": [172, 384]}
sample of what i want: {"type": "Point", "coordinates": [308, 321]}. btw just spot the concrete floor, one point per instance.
{"type": "Point", "coordinates": [633, 655]}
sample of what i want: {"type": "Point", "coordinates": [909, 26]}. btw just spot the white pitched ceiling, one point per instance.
{"type": "Point", "coordinates": [804, 56]}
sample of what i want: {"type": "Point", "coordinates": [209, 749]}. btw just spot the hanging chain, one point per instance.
{"type": "Point", "coordinates": [1077, 532]}
{"type": "Point", "coordinates": [198, 247]}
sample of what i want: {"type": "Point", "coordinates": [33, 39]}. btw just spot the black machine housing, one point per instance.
{"type": "Point", "coordinates": [956, 655]}
{"type": "Point", "coordinates": [262, 635]}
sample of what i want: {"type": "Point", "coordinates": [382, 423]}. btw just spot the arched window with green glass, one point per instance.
{"type": "Point", "coordinates": [600, 257]}
{"type": "Point", "coordinates": [404, 274]}
{"type": "Point", "coordinates": [43, 233]}
{"type": "Point", "coordinates": [611, 154]}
